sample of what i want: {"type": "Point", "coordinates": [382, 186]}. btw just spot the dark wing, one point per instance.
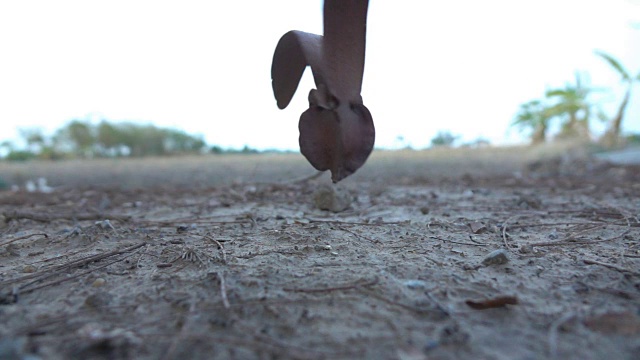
{"type": "Point", "coordinates": [295, 50]}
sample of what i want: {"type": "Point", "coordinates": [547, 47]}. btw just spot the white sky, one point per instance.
{"type": "Point", "coordinates": [204, 66]}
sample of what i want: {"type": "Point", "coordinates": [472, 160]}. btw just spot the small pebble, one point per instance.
{"type": "Point", "coordinates": [332, 198]}
{"type": "Point", "coordinates": [98, 300]}
{"type": "Point", "coordinates": [477, 227]}
{"type": "Point", "coordinates": [99, 282]}
{"type": "Point", "coordinates": [415, 284]}
{"type": "Point", "coordinates": [496, 257]}
{"type": "Point", "coordinates": [29, 269]}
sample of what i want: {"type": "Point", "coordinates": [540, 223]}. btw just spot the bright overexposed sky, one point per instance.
{"type": "Point", "coordinates": [204, 66]}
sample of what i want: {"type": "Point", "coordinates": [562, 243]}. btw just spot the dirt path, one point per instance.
{"type": "Point", "coordinates": [431, 260]}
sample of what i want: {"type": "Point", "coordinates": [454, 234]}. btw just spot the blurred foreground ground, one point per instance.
{"type": "Point", "coordinates": [234, 257]}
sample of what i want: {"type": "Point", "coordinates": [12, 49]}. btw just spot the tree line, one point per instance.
{"type": "Point", "coordinates": [574, 107]}
{"type": "Point", "coordinates": [82, 139]}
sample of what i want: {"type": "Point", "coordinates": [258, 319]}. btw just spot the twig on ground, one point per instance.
{"type": "Point", "coordinates": [39, 276]}
{"type": "Point", "coordinates": [56, 282]}
{"type": "Point", "coordinates": [358, 235]}
{"type": "Point", "coordinates": [358, 284]}
{"type": "Point", "coordinates": [48, 217]}
{"type": "Point", "coordinates": [553, 334]}
{"type": "Point", "coordinates": [338, 222]}
{"type": "Point", "coordinates": [504, 231]}
{"type": "Point", "coordinates": [455, 242]}
{"type": "Point", "coordinates": [401, 305]}
{"type": "Point", "coordinates": [274, 251]}
{"type": "Point", "coordinates": [22, 238]}
{"type": "Point", "coordinates": [611, 266]}
{"type": "Point", "coordinates": [220, 247]}
{"type": "Point", "coordinates": [304, 178]}
{"type": "Point", "coordinates": [437, 303]}
{"type": "Point", "coordinates": [223, 290]}
{"type": "Point", "coordinates": [574, 223]}
{"type": "Point", "coordinates": [617, 292]}
{"type": "Point", "coordinates": [568, 241]}
{"type": "Point", "coordinates": [196, 221]}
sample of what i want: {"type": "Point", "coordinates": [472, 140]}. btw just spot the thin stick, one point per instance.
{"type": "Point", "coordinates": [582, 242]}
{"type": "Point", "coordinates": [553, 334]}
{"type": "Point", "coordinates": [456, 242]}
{"type": "Point", "coordinates": [358, 235]}
{"type": "Point", "coordinates": [220, 247]}
{"type": "Point", "coordinates": [359, 284]}
{"type": "Point", "coordinates": [48, 217]}
{"type": "Point", "coordinates": [304, 178]}
{"type": "Point", "coordinates": [57, 282]}
{"type": "Point", "coordinates": [504, 231]}
{"type": "Point", "coordinates": [223, 291]}
{"type": "Point", "coordinates": [610, 266]}
{"type": "Point", "coordinates": [338, 222]}
{"type": "Point", "coordinates": [23, 237]}
{"type": "Point", "coordinates": [76, 263]}
{"type": "Point", "coordinates": [519, 226]}
{"type": "Point", "coordinates": [198, 221]}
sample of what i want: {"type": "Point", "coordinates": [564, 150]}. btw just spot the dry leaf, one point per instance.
{"type": "Point", "coordinates": [624, 323]}
{"type": "Point", "coordinates": [496, 302]}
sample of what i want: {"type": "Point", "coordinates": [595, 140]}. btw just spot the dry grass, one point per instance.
{"type": "Point", "coordinates": [212, 170]}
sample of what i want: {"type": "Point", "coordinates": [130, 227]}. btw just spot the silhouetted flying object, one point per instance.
{"type": "Point", "coordinates": [336, 132]}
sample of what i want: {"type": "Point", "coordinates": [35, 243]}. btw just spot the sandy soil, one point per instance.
{"type": "Point", "coordinates": [477, 254]}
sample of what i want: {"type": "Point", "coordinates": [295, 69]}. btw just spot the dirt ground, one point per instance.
{"type": "Point", "coordinates": [467, 254]}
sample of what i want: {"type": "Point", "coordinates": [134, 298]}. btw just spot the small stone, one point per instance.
{"type": "Point", "coordinates": [29, 269]}
{"type": "Point", "coordinates": [99, 282]}
{"type": "Point", "coordinates": [424, 210]}
{"type": "Point", "coordinates": [98, 300]}
{"type": "Point", "coordinates": [323, 247]}
{"type": "Point", "coordinates": [415, 284]}
{"type": "Point", "coordinates": [477, 227]}
{"type": "Point", "coordinates": [332, 198]}
{"type": "Point", "coordinates": [496, 257]}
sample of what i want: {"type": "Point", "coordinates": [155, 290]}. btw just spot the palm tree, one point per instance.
{"type": "Point", "coordinates": [572, 105]}
{"type": "Point", "coordinates": [612, 134]}
{"type": "Point", "coordinates": [533, 115]}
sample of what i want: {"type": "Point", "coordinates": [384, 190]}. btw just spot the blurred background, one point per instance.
{"type": "Point", "coordinates": [128, 78]}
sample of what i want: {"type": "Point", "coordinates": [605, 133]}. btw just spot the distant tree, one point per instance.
{"type": "Point", "coordinates": [216, 149]}
{"type": "Point", "coordinates": [572, 105]}
{"type": "Point", "coordinates": [444, 139]}
{"type": "Point", "coordinates": [6, 147]}
{"type": "Point", "coordinates": [247, 150]}
{"type": "Point", "coordinates": [20, 155]}
{"type": "Point", "coordinates": [79, 136]}
{"type": "Point", "coordinates": [34, 138]}
{"type": "Point", "coordinates": [533, 116]}
{"type": "Point", "coordinates": [83, 139]}
{"type": "Point", "coordinates": [633, 139]}
{"type": "Point", "coordinates": [612, 134]}
{"type": "Point", "coordinates": [109, 140]}
{"type": "Point", "coordinates": [180, 142]}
